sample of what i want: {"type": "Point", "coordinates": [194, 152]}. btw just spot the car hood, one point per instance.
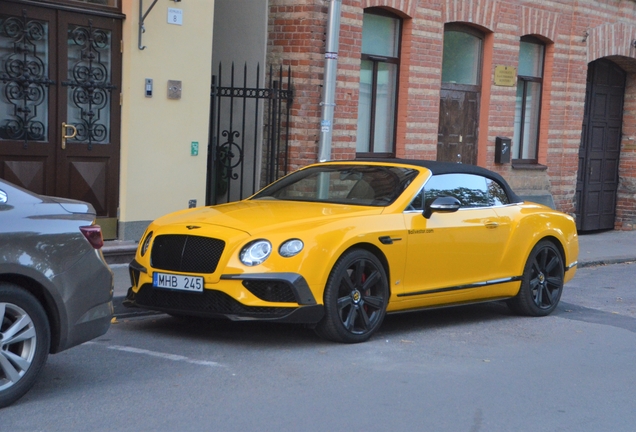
{"type": "Point", "coordinates": [251, 216]}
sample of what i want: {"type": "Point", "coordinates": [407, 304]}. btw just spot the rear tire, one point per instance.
{"type": "Point", "coordinates": [25, 339]}
{"type": "Point", "coordinates": [355, 298]}
{"type": "Point", "coordinates": [542, 282]}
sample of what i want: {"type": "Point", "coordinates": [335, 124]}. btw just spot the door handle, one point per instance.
{"type": "Point", "coordinates": [65, 128]}
{"type": "Point", "coordinates": [491, 225]}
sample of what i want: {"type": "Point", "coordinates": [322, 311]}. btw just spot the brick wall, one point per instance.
{"type": "Point", "coordinates": [626, 197]}
{"type": "Point", "coordinates": [296, 38]}
{"type": "Point", "coordinates": [575, 34]}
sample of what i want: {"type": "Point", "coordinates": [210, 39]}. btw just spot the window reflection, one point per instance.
{"type": "Point", "coordinates": [461, 58]}
{"type": "Point", "coordinates": [472, 191]}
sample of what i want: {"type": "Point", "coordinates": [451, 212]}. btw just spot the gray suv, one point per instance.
{"type": "Point", "coordinates": [55, 287]}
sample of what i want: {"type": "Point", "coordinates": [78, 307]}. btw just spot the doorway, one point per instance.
{"type": "Point", "coordinates": [458, 128]}
{"type": "Point", "coordinates": [60, 79]}
{"type": "Point", "coordinates": [597, 178]}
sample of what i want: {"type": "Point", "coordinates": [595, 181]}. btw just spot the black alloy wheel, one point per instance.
{"type": "Point", "coordinates": [355, 297]}
{"type": "Point", "coordinates": [542, 282]}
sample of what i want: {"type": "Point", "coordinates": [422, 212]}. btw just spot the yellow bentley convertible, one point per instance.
{"type": "Point", "coordinates": [338, 245]}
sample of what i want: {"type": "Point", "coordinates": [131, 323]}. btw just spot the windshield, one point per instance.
{"type": "Point", "coordinates": [368, 185]}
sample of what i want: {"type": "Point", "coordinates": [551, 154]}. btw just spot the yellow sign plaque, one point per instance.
{"type": "Point", "coordinates": [505, 76]}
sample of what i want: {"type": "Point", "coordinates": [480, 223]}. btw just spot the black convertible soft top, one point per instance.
{"type": "Point", "coordinates": [451, 168]}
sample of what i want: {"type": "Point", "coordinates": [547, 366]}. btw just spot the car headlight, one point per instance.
{"type": "Point", "coordinates": [144, 247]}
{"type": "Point", "coordinates": [290, 248]}
{"type": "Point", "coordinates": [255, 252]}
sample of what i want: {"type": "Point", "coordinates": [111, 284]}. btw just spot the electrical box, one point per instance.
{"type": "Point", "coordinates": [174, 89]}
{"type": "Point", "coordinates": [502, 150]}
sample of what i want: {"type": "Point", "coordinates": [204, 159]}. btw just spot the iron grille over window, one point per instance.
{"type": "Point", "coordinates": [24, 81]}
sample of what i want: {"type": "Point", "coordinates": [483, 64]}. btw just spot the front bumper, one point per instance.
{"type": "Point", "coordinates": [292, 300]}
{"type": "Point", "coordinates": [217, 304]}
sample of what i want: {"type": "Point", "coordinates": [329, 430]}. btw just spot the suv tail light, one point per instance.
{"type": "Point", "coordinates": [93, 234]}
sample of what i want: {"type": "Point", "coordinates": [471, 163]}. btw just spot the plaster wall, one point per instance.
{"type": "Point", "coordinates": [158, 172]}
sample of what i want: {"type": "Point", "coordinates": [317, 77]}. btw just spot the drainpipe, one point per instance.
{"type": "Point", "coordinates": [329, 87]}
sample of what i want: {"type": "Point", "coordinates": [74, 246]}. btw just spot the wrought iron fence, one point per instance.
{"type": "Point", "coordinates": [249, 133]}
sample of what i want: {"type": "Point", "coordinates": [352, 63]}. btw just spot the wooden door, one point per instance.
{"type": "Point", "coordinates": [56, 68]}
{"type": "Point", "coordinates": [597, 178]}
{"type": "Point", "coordinates": [458, 124]}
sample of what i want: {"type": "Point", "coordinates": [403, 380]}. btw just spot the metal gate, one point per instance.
{"type": "Point", "coordinates": [249, 134]}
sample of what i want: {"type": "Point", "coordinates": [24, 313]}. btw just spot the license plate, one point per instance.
{"type": "Point", "coordinates": [177, 282]}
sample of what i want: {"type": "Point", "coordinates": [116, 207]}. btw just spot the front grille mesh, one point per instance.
{"type": "Point", "coordinates": [272, 291]}
{"type": "Point", "coordinates": [186, 253]}
{"type": "Point", "coordinates": [208, 302]}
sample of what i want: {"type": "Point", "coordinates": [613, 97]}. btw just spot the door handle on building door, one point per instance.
{"type": "Point", "coordinates": [65, 136]}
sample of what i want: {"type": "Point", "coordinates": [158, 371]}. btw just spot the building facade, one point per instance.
{"type": "Point", "coordinates": [443, 79]}
{"type": "Point", "coordinates": [109, 101]}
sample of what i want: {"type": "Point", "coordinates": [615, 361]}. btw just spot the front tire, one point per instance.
{"type": "Point", "coordinates": [356, 297]}
{"type": "Point", "coordinates": [24, 342]}
{"type": "Point", "coordinates": [542, 282]}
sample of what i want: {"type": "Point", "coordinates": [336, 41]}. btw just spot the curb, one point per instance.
{"type": "Point", "coordinates": [121, 311]}
{"type": "Point", "coordinates": [119, 252]}
{"type": "Point", "coordinates": [608, 261]}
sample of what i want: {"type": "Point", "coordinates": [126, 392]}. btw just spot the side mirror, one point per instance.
{"type": "Point", "coordinates": [3, 197]}
{"type": "Point", "coordinates": [443, 204]}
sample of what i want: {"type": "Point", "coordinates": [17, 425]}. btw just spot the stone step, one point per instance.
{"type": "Point", "coordinates": [119, 252]}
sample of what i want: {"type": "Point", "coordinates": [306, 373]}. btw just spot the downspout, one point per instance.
{"type": "Point", "coordinates": [329, 87]}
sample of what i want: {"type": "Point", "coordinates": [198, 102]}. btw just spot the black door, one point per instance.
{"type": "Point", "coordinates": [597, 179]}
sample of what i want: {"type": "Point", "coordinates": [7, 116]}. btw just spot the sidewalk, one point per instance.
{"type": "Point", "coordinates": [609, 247]}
